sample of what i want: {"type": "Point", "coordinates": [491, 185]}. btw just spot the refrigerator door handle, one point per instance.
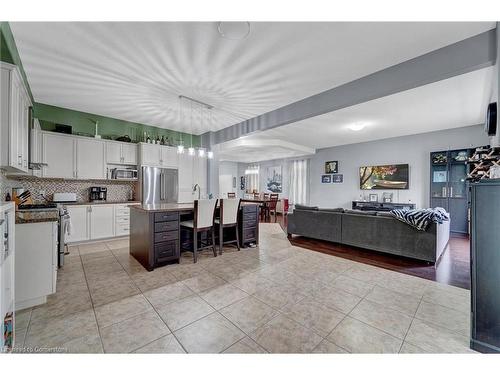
{"type": "Point", "coordinates": [162, 186]}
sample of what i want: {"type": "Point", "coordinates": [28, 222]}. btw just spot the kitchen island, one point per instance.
{"type": "Point", "coordinates": [155, 237]}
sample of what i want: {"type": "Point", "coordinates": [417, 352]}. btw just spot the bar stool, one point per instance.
{"type": "Point", "coordinates": [203, 221]}
{"type": "Point", "coordinates": [228, 218]}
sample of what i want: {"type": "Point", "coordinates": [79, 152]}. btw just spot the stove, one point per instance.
{"type": "Point", "coordinates": [37, 206]}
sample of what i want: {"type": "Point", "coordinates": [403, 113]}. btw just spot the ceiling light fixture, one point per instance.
{"type": "Point", "coordinates": [357, 126]}
{"type": "Point", "coordinates": [191, 151]}
{"type": "Point", "coordinates": [180, 149]}
{"type": "Point", "coordinates": [210, 154]}
{"type": "Point", "coordinates": [234, 30]}
{"type": "Point", "coordinates": [204, 116]}
{"type": "Point", "coordinates": [201, 152]}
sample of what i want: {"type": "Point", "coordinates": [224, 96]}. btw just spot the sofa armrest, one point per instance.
{"type": "Point", "coordinates": [442, 237]}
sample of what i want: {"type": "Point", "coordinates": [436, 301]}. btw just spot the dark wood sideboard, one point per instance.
{"type": "Point", "coordinates": [381, 206]}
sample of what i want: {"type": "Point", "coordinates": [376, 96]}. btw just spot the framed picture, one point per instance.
{"type": "Point", "coordinates": [373, 197]}
{"type": "Point", "coordinates": [332, 166]}
{"type": "Point", "coordinates": [439, 176]}
{"type": "Point", "coordinates": [242, 182]}
{"type": "Point", "coordinates": [337, 178]}
{"type": "Point", "coordinates": [274, 179]}
{"type": "Point", "coordinates": [326, 179]}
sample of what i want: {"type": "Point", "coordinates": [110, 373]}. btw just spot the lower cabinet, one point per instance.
{"type": "Point", "coordinates": [35, 266]}
{"type": "Point", "coordinates": [79, 223]}
{"type": "Point", "coordinates": [97, 221]}
{"type": "Point", "coordinates": [101, 220]}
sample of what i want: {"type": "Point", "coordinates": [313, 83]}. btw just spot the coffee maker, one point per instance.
{"type": "Point", "coordinates": [98, 193]}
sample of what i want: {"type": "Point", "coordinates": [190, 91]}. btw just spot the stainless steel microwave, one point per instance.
{"type": "Point", "coordinates": [123, 174]}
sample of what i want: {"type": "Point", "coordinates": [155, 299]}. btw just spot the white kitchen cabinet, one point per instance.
{"type": "Point", "coordinates": [14, 120]}
{"type": "Point", "coordinates": [59, 153]}
{"type": "Point", "coordinates": [185, 178]}
{"type": "Point", "coordinates": [101, 218]}
{"type": "Point", "coordinates": [158, 156]}
{"type": "Point", "coordinates": [35, 266]}
{"type": "Point", "coordinates": [122, 219]}
{"type": "Point", "coordinates": [150, 155]}
{"type": "Point", "coordinates": [90, 159]}
{"type": "Point", "coordinates": [80, 230]}
{"type": "Point", "coordinates": [169, 157]}
{"type": "Point", "coordinates": [124, 153]}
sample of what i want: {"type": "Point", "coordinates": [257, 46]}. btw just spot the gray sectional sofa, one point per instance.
{"type": "Point", "coordinates": [378, 231]}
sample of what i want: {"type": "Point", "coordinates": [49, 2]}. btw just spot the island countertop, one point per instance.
{"type": "Point", "coordinates": [173, 207]}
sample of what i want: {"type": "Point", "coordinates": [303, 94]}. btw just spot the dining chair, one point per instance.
{"type": "Point", "coordinates": [256, 195]}
{"type": "Point", "coordinates": [203, 222]}
{"type": "Point", "coordinates": [231, 195]}
{"type": "Point", "coordinates": [266, 195]}
{"type": "Point", "coordinates": [228, 218]}
{"type": "Point", "coordinates": [271, 207]}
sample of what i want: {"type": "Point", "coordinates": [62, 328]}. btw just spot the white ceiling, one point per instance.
{"type": "Point", "coordinates": [255, 149]}
{"type": "Point", "coordinates": [452, 103]}
{"type": "Point", "coordinates": [135, 71]}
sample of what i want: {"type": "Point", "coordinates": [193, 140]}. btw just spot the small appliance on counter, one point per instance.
{"type": "Point", "coordinates": [64, 198]}
{"type": "Point", "coordinates": [98, 193]}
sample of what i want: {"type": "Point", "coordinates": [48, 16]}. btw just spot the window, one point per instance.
{"type": "Point", "coordinates": [299, 193]}
{"type": "Point", "coordinates": [252, 179]}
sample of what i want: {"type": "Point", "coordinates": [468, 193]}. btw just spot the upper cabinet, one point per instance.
{"type": "Point", "coordinates": [90, 163]}
{"type": "Point", "coordinates": [72, 157]}
{"type": "Point", "coordinates": [121, 153]}
{"type": "Point", "coordinates": [14, 120]}
{"type": "Point", "coordinates": [59, 153]}
{"type": "Point", "coordinates": [158, 156]}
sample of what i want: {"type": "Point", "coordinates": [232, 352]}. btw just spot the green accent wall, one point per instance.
{"type": "Point", "coordinates": [9, 53]}
{"type": "Point", "coordinates": [49, 115]}
{"type": "Point", "coordinates": [108, 127]}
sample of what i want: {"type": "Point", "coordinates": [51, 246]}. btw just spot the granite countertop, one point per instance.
{"type": "Point", "coordinates": [99, 202]}
{"type": "Point", "coordinates": [173, 207]}
{"type": "Point", "coordinates": [164, 207]}
{"type": "Point", "coordinates": [36, 216]}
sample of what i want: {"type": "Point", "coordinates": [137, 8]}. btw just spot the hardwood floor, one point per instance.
{"type": "Point", "coordinates": [452, 269]}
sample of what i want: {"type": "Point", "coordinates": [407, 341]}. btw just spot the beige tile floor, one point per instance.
{"type": "Point", "coordinates": [276, 298]}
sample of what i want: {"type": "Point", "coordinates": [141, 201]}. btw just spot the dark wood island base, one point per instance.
{"type": "Point", "coordinates": [155, 231]}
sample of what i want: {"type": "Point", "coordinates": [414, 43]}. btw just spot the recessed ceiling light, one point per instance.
{"type": "Point", "coordinates": [357, 126]}
{"type": "Point", "coordinates": [234, 30]}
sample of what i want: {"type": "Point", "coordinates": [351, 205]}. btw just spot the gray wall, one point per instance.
{"type": "Point", "coordinates": [413, 150]}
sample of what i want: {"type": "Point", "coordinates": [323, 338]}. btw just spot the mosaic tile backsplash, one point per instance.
{"type": "Point", "coordinates": [117, 190]}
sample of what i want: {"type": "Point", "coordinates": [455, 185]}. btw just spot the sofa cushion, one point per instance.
{"type": "Point", "coordinates": [385, 214]}
{"type": "Point", "coordinates": [331, 209]}
{"type": "Point", "coordinates": [359, 212]}
{"type": "Point", "coordinates": [302, 207]}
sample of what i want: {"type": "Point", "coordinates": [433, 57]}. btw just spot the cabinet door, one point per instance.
{"type": "Point", "coordinates": [101, 221]}
{"type": "Point", "coordinates": [113, 153]}
{"type": "Point", "coordinates": [90, 159]}
{"type": "Point", "coordinates": [58, 152]}
{"type": "Point", "coordinates": [80, 223]}
{"type": "Point", "coordinates": [22, 132]}
{"type": "Point", "coordinates": [16, 151]}
{"type": "Point", "coordinates": [129, 154]}
{"type": "Point", "coordinates": [185, 178]}
{"type": "Point", "coordinates": [169, 157]}
{"type": "Point", "coordinates": [150, 155]}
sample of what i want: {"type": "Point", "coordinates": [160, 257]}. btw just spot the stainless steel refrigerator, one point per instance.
{"type": "Point", "coordinates": [158, 185]}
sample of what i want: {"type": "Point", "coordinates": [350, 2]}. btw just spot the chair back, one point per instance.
{"type": "Point", "coordinates": [204, 210]}
{"type": "Point", "coordinates": [231, 195]}
{"type": "Point", "coordinates": [229, 211]}
{"type": "Point", "coordinates": [266, 195]}
{"type": "Point", "coordinates": [256, 195]}
{"type": "Point", "coordinates": [274, 201]}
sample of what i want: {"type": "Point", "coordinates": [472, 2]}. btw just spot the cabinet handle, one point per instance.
{"type": "Point", "coordinates": [20, 160]}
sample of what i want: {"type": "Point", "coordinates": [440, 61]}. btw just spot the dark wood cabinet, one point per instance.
{"type": "Point", "coordinates": [485, 266]}
{"type": "Point", "coordinates": [381, 206]}
{"type": "Point", "coordinates": [154, 237]}
{"type": "Point", "coordinates": [449, 187]}
{"type": "Point", "coordinates": [249, 224]}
